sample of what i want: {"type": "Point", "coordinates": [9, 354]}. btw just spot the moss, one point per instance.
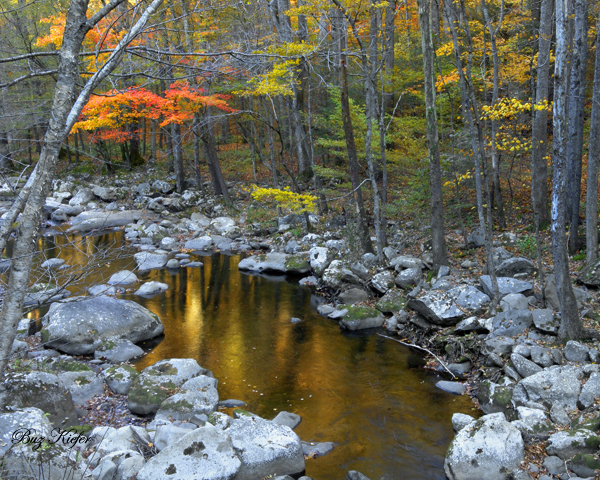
{"type": "Point", "coordinates": [84, 429]}
{"type": "Point", "coordinates": [45, 335]}
{"type": "Point", "coordinates": [592, 442]}
{"type": "Point", "coordinates": [240, 411]}
{"type": "Point", "coordinates": [82, 380]}
{"type": "Point", "coordinates": [588, 460]}
{"type": "Point", "coordinates": [71, 366]}
{"type": "Point", "coordinates": [297, 262]}
{"type": "Point", "coordinates": [179, 405]}
{"type": "Point", "coordinates": [148, 393]}
{"type": "Point", "coordinates": [163, 369]}
{"type": "Point", "coordinates": [360, 313]}
{"type": "Point", "coordinates": [104, 346]}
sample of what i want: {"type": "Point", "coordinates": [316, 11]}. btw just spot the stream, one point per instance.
{"type": "Point", "coordinates": [367, 394]}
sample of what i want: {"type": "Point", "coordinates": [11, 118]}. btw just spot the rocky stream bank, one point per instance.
{"type": "Point", "coordinates": [540, 416]}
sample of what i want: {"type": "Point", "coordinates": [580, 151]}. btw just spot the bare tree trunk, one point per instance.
{"type": "Point", "coordinates": [153, 129]}
{"type": "Point", "coordinates": [570, 327]}
{"type": "Point", "coordinates": [539, 170]}
{"type": "Point", "coordinates": [213, 159]}
{"type": "Point", "coordinates": [389, 54]}
{"type": "Point", "coordinates": [440, 255]}
{"type": "Point", "coordinates": [178, 157]}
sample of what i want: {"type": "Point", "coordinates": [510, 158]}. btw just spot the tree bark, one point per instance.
{"type": "Point", "coordinates": [178, 157]}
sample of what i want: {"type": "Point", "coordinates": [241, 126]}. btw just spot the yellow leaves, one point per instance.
{"type": "Point", "coordinates": [296, 202]}
{"type": "Point", "coordinates": [445, 49]}
{"type": "Point", "coordinates": [276, 82]}
{"type": "Point", "coordinates": [57, 26]}
{"type": "Point", "coordinates": [505, 109]}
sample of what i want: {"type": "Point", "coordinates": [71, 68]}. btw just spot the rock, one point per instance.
{"type": "Point", "coordinates": [336, 275]}
{"type": "Point", "coordinates": [584, 465]}
{"type": "Point", "coordinates": [314, 450]}
{"type": "Point", "coordinates": [369, 259]}
{"type": "Point", "coordinates": [82, 385]}
{"type": "Point", "coordinates": [552, 296]}
{"type": "Point", "coordinates": [168, 434]}
{"type": "Point", "coordinates": [515, 266]}
{"type": "Point", "coordinates": [467, 325]}
{"type": "Point", "coordinates": [309, 281]}
{"type": "Point", "coordinates": [590, 391]}
{"type": "Point", "coordinates": [272, 263]}
{"type": "Point", "coordinates": [231, 403]}
{"type": "Point", "coordinates": [359, 318]}
{"type": "Point", "coordinates": [532, 421]}
{"type": "Point", "coordinates": [87, 221]}
{"type": "Point", "coordinates": [221, 224]}
{"type": "Point", "coordinates": [117, 351]}
{"type": "Point", "coordinates": [82, 197]}
{"type": "Point", "coordinates": [383, 281]}
{"type": "Point", "coordinates": [79, 327]}
{"type": "Point", "coordinates": [590, 274]}
{"type": "Point", "coordinates": [498, 345]}
{"type": "Point", "coordinates": [390, 253]}
{"type": "Point", "coordinates": [460, 368]}
{"type": "Point", "coordinates": [102, 290]}
{"type": "Point", "coordinates": [200, 243]}
{"type": "Point", "coordinates": [52, 263]}
{"type": "Point", "coordinates": [544, 321]}
{"type": "Point", "coordinates": [476, 239]}
{"type": "Point", "coordinates": [320, 258]}
{"type": "Point", "coordinates": [124, 277]}
{"type": "Point", "coordinates": [297, 264]}
{"type": "Point", "coordinates": [487, 448]}
{"type": "Point", "coordinates": [494, 398]}
{"type": "Point", "coordinates": [199, 396]}
{"type": "Point", "coordinates": [162, 187]}
{"type": "Point", "coordinates": [567, 443]}
{"type": "Point", "coordinates": [522, 350]}
{"type": "Point", "coordinates": [40, 293]}
{"type": "Point", "coordinates": [559, 415]}
{"type": "Point", "coordinates": [512, 323]}
{"type": "Point", "coordinates": [265, 448]}
{"type": "Point", "coordinates": [469, 264]}
{"type": "Point", "coordinates": [150, 389]}
{"type": "Point", "coordinates": [506, 285]}
{"type": "Point", "coordinates": [360, 271]}
{"type": "Point", "coordinates": [408, 278]}
{"type": "Point", "coordinates": [554, 465]}
{"type": "Point", "coordinates": [120, 378]}
{"type": "Point", "coordinates": [149, 289]}
{"type": "Point", "coordinates": [448, 308]}
{"type": "Point", "coordinates": [105, 194]}
{"type": "Point", "coordinates": [287, 419]}
{"type": "Point", "coordinates": [576, 352]}
{"type": "Point", "coordinates": [122, 464]}
{"type": "Point", "coordinates": [30, 417]}
{"type": "Point", "coordinates": [406, 261]}
{"type": "Point", "coordinates": [150, 261]}
{"type": "Point", "coordinates": [554, 384]}
{"type": "Point", "coordinates": [45, 391]}
{"type": "Point", "coordinates": [514, 301]}
{"type": "Point", "coordinates": [354, 295]}
{"type": "Point", "coordinates": [392, 302]}
{"type": "Point", "coordinates": [354, 475]}
{"type": "Point", "coordinates": [455, 388]}
{"type": "Point", "coordinates": [169, 243]}
{"type": "Point", "coordinates": [460, 421]}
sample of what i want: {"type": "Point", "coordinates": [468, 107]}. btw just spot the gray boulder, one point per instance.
{"type": "Point", "coordinates": [287, 419]}
{"type": "Point", "coordinates": [86, 221]}
{"type": "Point", "coordinates": [494, 398]}
{"type": "Point", "coordinates": [200, 243]}
{"type": "Point", "coordinates": [514, 301]}
{"type": "Point", "coordinates": [162, 187]}
{"type": "Point", "coordinates": [120, 378]}
{"type": "Point", "coordinates": [150, 261]}
{"type": "Point", "coordinates": [541, 356]}
{"type": "Point", "coordinates": [29, 417]}
{"type": "Point", "coordinates": [383, 281]}
{"type": "Point", "coordinates": [553, 384]}
{"type": "Point", "coordinates": [532, 420]}
{"type": "Point", "coordinates": [408, 278]}
{"type": "Point", "coordinates": [52, 263]}
{"type": "Point", "coordinates": [567, 443]}
{"type": "Point", "coordinates": [460, 421]}
{"type": "Point", "coordinates": [149, 289]}
{"type": "Point", "coordinates": [117, 351]}
{"type": "Point", "coordinates": [498, 345]}
{"type": "Point", "coordinates": [320, 258]}
{"type": "Point", "coordinates": [476, 239]}
{"type": "Point", "coordinates": [590, 274]}
{"type": "Point", "coordinates": [576, 352]}
{"type": "Point", "coordinates": [552, 295]}
{"type": "Point", "coordinates": [265, 448]}
{"type": "Point", "coordinates": [488, 448]}
{"type": "Point", "coordinates": [544, 321]}
{"type": "Point", "coordinates": [270, 263]}
{"type": "Point", "coordinates": [83, 385]}
{"type": "Point", "coordinates": [512, 323]}
{"type": "Point", "coordinates": [78, 328]}
{"type": "Point", "coordinates": [120, 465]}
{"type": "Point", "coordinates": [124, 277]}
{"type": "Point", "coordinates": [524, 367]}
{"type": "Point", "coordinates": [354, 295]}
{"type": "Point", "coordinates": [406, 261]}
{"type": "Point", "coordinates": [336, 275]}
{"type": "Point", "coordinates": [359, 318]}
{"type": "Point", "coordinates": [506, 285]}
{"type": "Point", "coordinates": [168, 434]}
{"type": "Point", "coordinates": [199, 396]}
{"type": "Point", "coordinates": [515, 266]}
{"type": "Point", "coordinates": [105, 194]}
{"type": "Point", "coordinates": [221, 224]}
{"type": "Point", "coordinates": [102, 290]}
{"type": "Point", "coordinates": [82, 197]}
{"type": "Point", "coordinates": [392, 302]}
{"type": "Point", "coordinates": [590, 391]}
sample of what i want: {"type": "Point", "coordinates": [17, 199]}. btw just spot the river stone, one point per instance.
{"type": "Point", "coordinates": [354, 295]}
{"type": "Point", "coordinates": [200, 243]}
{"type": "Point", "coordinates": [150, 389]}
{"type": "Point", "coordinates": [392, 302]}
{"type": "Point", "coordinates": [120, 465]}
{"type": "Point", "coordinates": [82, 385]}
{"type": "Point", "coordinates": [544, 321]}
{"type": "Point", "coordinates": [149, 289]}
{"type": "Point", "coordinates": [460, 421]}
{"type": "Point", "coordinates": [205, 453]}
{"type": "Point", "coordinates": [265, 448]}
{"type": "Point", "coordinates": [498, 345]}
{"type": "Point", "coordinates": [102, 290]}
{"type": "Point", "coordinates": [524, 367]}
{"type": "Point", "coordinates": [45, 391]}
{"type": "Point", "coordinates": [467, 325]}
{"type": "Point", "coordinates": [354, 475]}
{"type": "Point", "coordinates": [117, 351]}
{"type": "Point", "coordinates": [488, 448]}
{"type": "Point", "coordinates": [79, 327]}
{"type": "Point", "coordinates": [514, 301]}
{"type": "Point", "coordinates": [494, 398]}
{"type": "Point", "coordinates": [168, 434]}
{"type": "Point", "coordinates": [532, 420]}
{"type": "Point", "coordinates": [313, 450]}
{"type": "Point", "coordinates": [30, 417]}
{"type": "Point", "coordinates": [590, 391]}
{"type": "Point", "coordinates": [512, 323]}
{"type": "Point", "coordinates": [576, 352]}
{"type": "Point", "coordinates": [320, 258]}
{"type": "Point", "coordinates": [406, 261]}
{"type": "Point", "coordinates": [40, 293]}
{"type": "Point", "coordinates": [287, 419]}
{"type": "Point", "coordinates": [221, 224]}
{"type": "Point", "coordinates": [297, 264]}
{"type": "Point", "coordinates": [455, 388]}
{"type": "Point", "coordinates": [448, 308]}
{"type": "Point", "coordinates": [124, 438]}
{"type": "Point", "coordinates": [506, 285]}
{"type": "Point", "coordinates": [359, 318]}
{"type": "Point", "coordinates": [360, 271]}
{"type": "Point", "coordinates": [86, 221]}
{"type": "Point", "coordinates": [82, 197]}
{"type": "Point", "coordinates": [273, 262]}
{"type": "Point", "coordinates": [150, 261]}
{"type": "Point", "coordinates": [120, 378]}
{"type": "Point", "coordinates": [52, 263]}
{"type": "Point", "coordinates": [567, 443]}
{"type": "Point", "coordinates": [199, 396]}
{"type": "Point", "coordinates": [514, 266]}
{"type": "Point", "coordinates": [553, 384]}
{"type": "Point", "coordinates": [541, 356]}
{"type": "Point", "coordinates": [336, 275]}
{"type": "Point", "coordinates": [408, 278]}
{"type": "Point", "coordinates": [383, 281]}
{"type": "Point", "coordinates": [105, 194]}
{"type": "Point", "coordinates": [124, 277]}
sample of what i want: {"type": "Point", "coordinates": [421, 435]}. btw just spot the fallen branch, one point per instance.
{"type": "Point", "coordinates": [420, 348]}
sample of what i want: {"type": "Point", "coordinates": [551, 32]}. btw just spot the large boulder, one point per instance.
{"type": "Point", "coordinates": [359, 318]}
{"type": "Point", "coordinates": [567, 443]}
{"type": "Point", "coordinates": [82, 197]}
{"type": "Point", "coordinates": [590, 274]}
{"type": "Point", "coordinates": [270, 263]}
{"type": "Point", "coordinates": [104, 193]}
{"type": "Point", "coordinates": [494, 398]}
{"type": "Point", "coordinates": [265, 448]}
{"type": "Point", "coordinates": [120, 378]}
{"type": "Point", "coordinates": [383, 281]}
{"type": "Point", "coordinates": [221, 225]}
{"type": "Point", "coordinates": [544, 321]}
{"type": "Point", "coordinates": [320, 258]}
{"type": "Point", "coordinates": [199, 396]}
{"type": "Point", "coordinates": [515, 266]}
{"type": "Point", "coordinates": [512, 323]}
{"type": "Point", "coordinates": [406, 261]}
{"type": "Point", "coordinates": [150, 261]}
{"type": "Point", "coordinates": [157, 382]}
{"type": "Point", "coordinates": [124, 277]}
{"type": "Point", "coordinates": [506, 285]}
{"type": "Point", "coordinates": [408, 278]}
{"type": "Point", "coordinates": [21, 420]}
{"type": "Point", "coordinates": [46, 392]}
{"type": "Point", "coordinates": [488, 448]}
{"type": "Point", "coordinates": [78, 328]}
{"type": "Point", "coordinates": [206, 453]}
{"type": "Point", "coordinates": [449, 307]}
{"type": "Point", "coordinates": [82, 385]}
{"type": "Point", "coordinates": [86, 221]}
{"type": "Point", "coordinates": [553, 384]}
{"type": "Point", "coordinates": [336, 275]}
{"type": "Point", "coordinates": [200, 243]}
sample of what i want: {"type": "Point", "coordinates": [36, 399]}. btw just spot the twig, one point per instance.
{"type": "Point", "coordinates": [420, 348]}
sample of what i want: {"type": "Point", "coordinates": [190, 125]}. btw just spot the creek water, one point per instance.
{"type": "Point", "coordinates": [367, 394]}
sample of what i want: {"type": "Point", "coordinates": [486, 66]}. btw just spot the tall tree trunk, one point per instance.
{"type": "Point", "coordinates": [440, 255]}
{"type": "Point", "coordinates": [576, 110]}
{"type": "Point", "coordinates": [178, 157]}
{"type": "Point", "coordinates": [570, 327]}
{"type": "Point", "coordinates": [215, 168]}
{"type": "Point", "coordinates": [591, 204]}
{"type": "Point", "coordinates": [389, 54]}
{"type": "Point", "coordinates": [539, 136]}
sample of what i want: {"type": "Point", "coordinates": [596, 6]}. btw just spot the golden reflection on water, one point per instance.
{"type": "Point", "coordinates": [366, 393]}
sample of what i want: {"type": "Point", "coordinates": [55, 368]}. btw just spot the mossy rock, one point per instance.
{"type": "Point", "coordinates": [297, 264]}
{"type": "Point", "coordinates": [392, 302]}
{"type": "Point", "coordinates": [145, 397]}
{"type": "Point", "coordinates": [240, 412]}
{"type": "Point", "coordinates": [106, 346]}
{"type": "Point", "coordinates": [494, 398]}
{"type": "Point", "coordinates": [359, 318]}
{"type": "Point", "coordinates": [589, 463]}
{"type": "Point", "coordinates": [70, 366]}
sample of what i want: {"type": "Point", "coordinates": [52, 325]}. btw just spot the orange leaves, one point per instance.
{"type": "Point", "coordinates": [114, 110]}
{"type": "Point", "coordinates": [57, 26]}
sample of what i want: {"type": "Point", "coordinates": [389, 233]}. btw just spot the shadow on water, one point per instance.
{"type": "Point", "coordinates": [366, 393]}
